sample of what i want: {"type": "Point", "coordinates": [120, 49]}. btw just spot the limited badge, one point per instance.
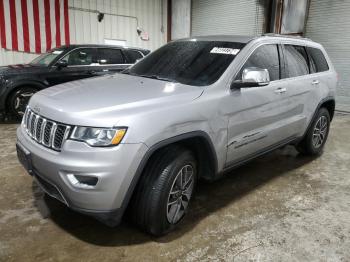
{"type": "Point", "coordinates": [224, 51]}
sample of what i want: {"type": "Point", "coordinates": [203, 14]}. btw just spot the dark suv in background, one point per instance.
{"type": "Point", "coordinates": [67, 63]}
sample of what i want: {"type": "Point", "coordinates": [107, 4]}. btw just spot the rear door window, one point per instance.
{"type": "Point", "coordinates": [296, 60]}
{"type": "Point", "coordinates": [132, 55]}
{"type": "Point", "coordinates": [318, 62]}
{"type": "Point", "coordinates": [110, 56]}
{"type": "Point", "coordinates": [264, 57]}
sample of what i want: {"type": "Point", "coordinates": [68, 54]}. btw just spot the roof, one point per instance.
{"type": "Point", "coordinates": [110, 46]}
{"type": "Point", "coordinates": [224, 38]}
{"type": "Point", "coordinates": [240, 38]}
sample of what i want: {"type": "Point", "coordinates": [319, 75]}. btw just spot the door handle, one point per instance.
{"type": "Point", "coordinates": [280, 90]}
{"type": "Point", "coordinates": [92, 72]}
{"type": "Point", "coordinates": [315, 82]}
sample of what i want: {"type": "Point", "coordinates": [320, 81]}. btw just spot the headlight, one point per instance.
{"type": "Point", "coordinates": [95, 136]}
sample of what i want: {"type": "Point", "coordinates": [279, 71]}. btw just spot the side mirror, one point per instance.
{"type": "Point", "coordinates": [62, 63]}
{"type": "Point", "coordinates": [252, 77]}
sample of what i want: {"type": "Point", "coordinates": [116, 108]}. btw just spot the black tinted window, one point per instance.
{"type": "Point", "coordinates": [109, 56]}
{"type": "Point", "coordinates": [318, 62]}
{"type": "Point", "coordinates": [264, 57]}
{"type": "Point", "coordinates": [81, 56]}
{"type": "Point", "coordinates": [188, 62]}
{"type": "Point", "coordinates": [296, 61]}
{"type": "Point", "coordinates": [132, 55]}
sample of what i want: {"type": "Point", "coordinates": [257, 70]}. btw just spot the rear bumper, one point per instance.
{"type": "Point", "coordinates": [114, 167]}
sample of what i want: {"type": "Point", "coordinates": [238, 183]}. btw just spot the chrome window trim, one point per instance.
{"type": "Point", "coordinates": [97, 64]}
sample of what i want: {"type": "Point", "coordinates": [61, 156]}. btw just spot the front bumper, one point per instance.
{"type": "Point", "coordinates": [113, 166]}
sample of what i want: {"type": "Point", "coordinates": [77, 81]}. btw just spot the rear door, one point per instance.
{"type": "Point", "coordinates": [302, 86]}
{"type": "Point", "coordinates": [111, 60]}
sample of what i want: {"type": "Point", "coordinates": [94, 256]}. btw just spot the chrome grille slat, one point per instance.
{"type": "Point", "coordinates": [30, 123]}
{"type": "Point", "coordinates": [42, 130]}
{"type": "Point", "coordinates": [28, 120]}
{"type": "Point", "coordinates": [37, 117]}
{"type": "Point", "coordinates": [45, 131]}
{"type": "Point", "coordinates": [52, 134]}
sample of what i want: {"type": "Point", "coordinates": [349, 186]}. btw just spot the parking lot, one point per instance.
{"type": "Point", "coordinates": [282, 206]}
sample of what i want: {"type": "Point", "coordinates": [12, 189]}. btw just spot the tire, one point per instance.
{"type": "Point", "coordinates": [316, 136]}
{"type": "Point", "coordinates": [155, 202]}
{"type": "Point", "coordinates": [18, 101]}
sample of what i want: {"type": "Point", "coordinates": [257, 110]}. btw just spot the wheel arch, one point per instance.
{"type": "Point", "coordinates": [20, 85]}
{"type": "Point", "coordinates": [197, 141]}
{"type": "Point", "coordinates": [329, 104]}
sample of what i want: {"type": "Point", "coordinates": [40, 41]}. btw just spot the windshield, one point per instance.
{"type": "Point", "coordinates": [47, 58]}
{"type": "Point", "coordinates": [196, 63]}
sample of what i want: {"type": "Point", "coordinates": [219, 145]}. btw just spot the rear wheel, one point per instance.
{"type": "Point", "coordinates": [317, 135]}
{"type": "Point", "coordinates": [18, 101]}
{"type": "Point", "coordinates": [163, 195]}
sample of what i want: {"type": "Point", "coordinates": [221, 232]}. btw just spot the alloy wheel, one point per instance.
{"type": "Point", "coordinates": [21, 102]}
{"type": "Point", "coordinates": [320, 132]}
{"type": "Point", "coordinates": [180, 194]}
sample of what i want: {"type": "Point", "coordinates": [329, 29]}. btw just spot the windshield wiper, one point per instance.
{"type": "Point", "coordinates": [159, 78]}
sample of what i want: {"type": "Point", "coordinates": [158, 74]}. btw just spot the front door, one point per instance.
{"type": "Point", "coordinates": [81, 63]}
{"type": "Point", "coordinates": [258, 115]}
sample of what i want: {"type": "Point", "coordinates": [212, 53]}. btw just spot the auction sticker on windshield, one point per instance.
{"type": "Point", "coordinates": [224, 51]}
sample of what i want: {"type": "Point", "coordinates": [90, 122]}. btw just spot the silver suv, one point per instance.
{"type": "Point", "coordinates": [193, 109]}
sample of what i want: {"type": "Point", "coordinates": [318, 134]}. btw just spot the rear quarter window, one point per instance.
{"type": "Point", "coordinates": [132, 55]}
{"type": "Point", "coordinates": [318, 62]}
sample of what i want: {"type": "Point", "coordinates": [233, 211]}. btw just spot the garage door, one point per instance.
{"type": "Point", "coordinates": [329, 23]}
{"type": "Point", "coordinates": [227, 17]}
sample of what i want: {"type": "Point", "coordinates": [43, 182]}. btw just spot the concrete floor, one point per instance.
{"type": "Point", "coordinates": [281, 207]}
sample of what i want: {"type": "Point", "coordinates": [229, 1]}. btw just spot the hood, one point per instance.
{"type": "Point", "coordinates": [101, 100]}
{"type": "Point", "coordinates": [19, 69]}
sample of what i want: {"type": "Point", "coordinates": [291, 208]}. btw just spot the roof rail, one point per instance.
{"type": "Point", "coordinates": [286, 36]}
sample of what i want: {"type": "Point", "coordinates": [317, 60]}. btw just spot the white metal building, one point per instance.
{"type": "Point", "coordinates": [326, 21]}
{"type": "Point", "coordinates": [329, 23]}
{"type": "Point", "coordinates": [85, 28]}
{"type": "Point", "coordinates": [228, 17]}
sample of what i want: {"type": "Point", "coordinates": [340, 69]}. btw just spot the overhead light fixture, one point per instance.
{"type": "Point", "coordinates": [100, 16]}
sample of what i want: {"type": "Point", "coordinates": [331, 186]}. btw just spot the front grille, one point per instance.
{"type": "Point", "coordinates": [44, 131]}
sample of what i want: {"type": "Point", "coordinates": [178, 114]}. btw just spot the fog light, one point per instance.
{"type": "Point", "coordinates": [86, 182]}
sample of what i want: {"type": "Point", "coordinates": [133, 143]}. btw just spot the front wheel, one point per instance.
{"type": "Point", "coordinates": [166, 187]}
{"type": "Point", "coordinates": [316, 136]}
{"type": "Point", "coordinates": [18, 101]}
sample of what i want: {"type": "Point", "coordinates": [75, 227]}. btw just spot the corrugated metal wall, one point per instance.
{"type": "Point", "coordinates": [228, 17]}
{"type": "Point", "coordinates": [84, 27]}
{"type": "Point", "coordinates": [329, 24]}
{"type": "Point", "coordinates": [180, 19]}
